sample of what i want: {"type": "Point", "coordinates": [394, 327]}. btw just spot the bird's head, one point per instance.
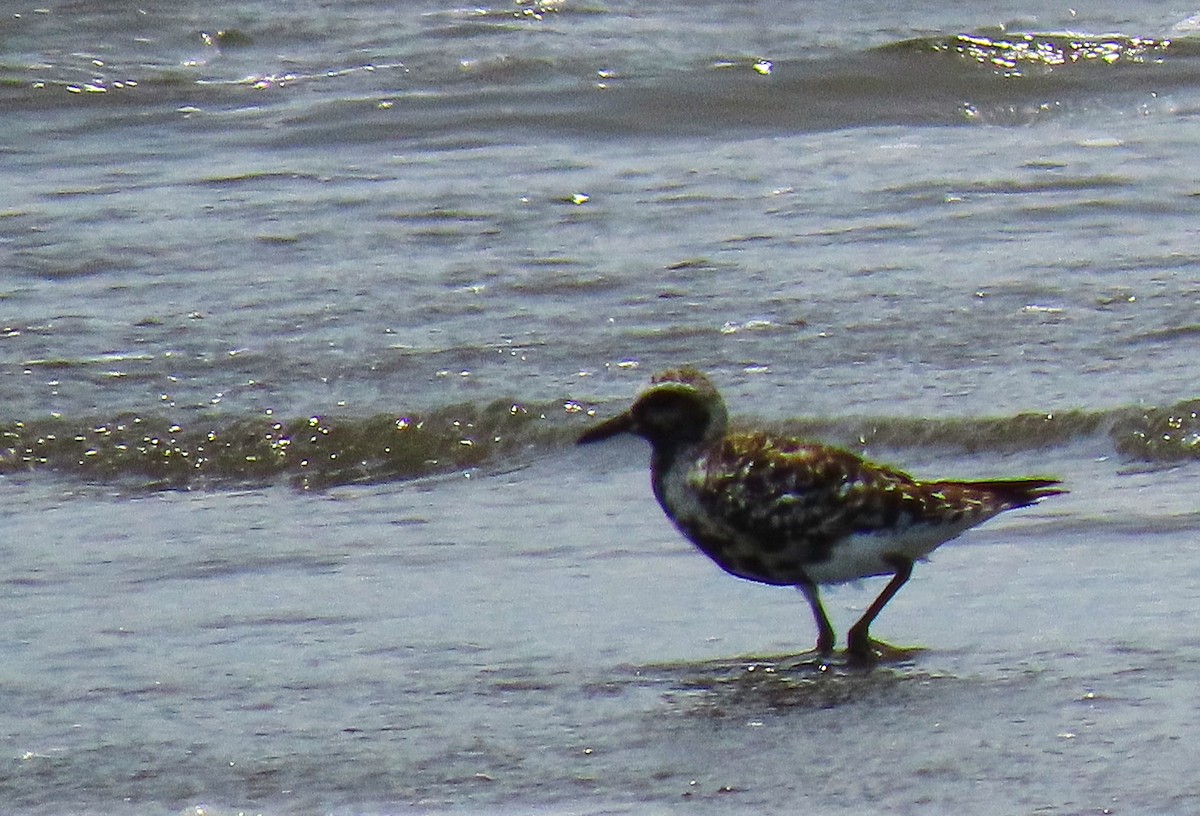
{"type": "Point", "coordinates": [680, 407]}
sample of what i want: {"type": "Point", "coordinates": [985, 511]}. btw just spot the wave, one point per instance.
{"type": "Point", "coordinates": [310, 452]}
{"type": "Point", "coordinates": [942, 80]}
{"type": "Point", "coordinates": [153, 452]}
{"type": "Point", "coordinates": [932, 81]}
{"type": "Point", "coordinates": [1008, 78]}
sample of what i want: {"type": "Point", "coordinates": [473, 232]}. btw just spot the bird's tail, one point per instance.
{"type": "Point", "coordinates": [1014, 492]}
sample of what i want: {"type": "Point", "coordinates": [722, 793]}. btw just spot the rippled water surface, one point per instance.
{"type": "Point", "coordinates": [301, 312]}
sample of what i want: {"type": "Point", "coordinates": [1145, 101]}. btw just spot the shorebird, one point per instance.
{"type": "Point", "coordinates": [784, 511]}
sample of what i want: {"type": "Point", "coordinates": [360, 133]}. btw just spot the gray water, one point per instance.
{"type": "Point", "coordinates": [301, 310]}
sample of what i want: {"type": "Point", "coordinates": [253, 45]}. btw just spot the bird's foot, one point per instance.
{"type": "Point", "coordinates": [866, 651]}
{"type": "Point", "coordinates": [825, 643]}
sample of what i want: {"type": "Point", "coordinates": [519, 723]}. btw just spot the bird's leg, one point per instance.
{"type": "Point", "coordinates": [825, 635]}
{"type": "Point", "coordinates": [858, 640]}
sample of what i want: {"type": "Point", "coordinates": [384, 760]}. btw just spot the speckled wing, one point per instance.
{"type": "Point", "coordinates": [804, 496]}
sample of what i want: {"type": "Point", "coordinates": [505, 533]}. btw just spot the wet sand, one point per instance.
{"type": "Point", "coordinates": [542, 640]}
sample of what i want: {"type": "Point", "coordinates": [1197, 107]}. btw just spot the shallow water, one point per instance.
{"type": "Point", "coordinates": [302, 314]}
{"type": "Point", "coordinates": [398, 649]}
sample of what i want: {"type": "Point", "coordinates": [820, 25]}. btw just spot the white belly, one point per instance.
{"type": "Point", "coordinates": [863, 555]}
